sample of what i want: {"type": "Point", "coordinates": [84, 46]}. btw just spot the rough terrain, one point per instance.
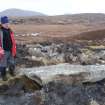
{"type": "Point", "coordinates": [46, 41]}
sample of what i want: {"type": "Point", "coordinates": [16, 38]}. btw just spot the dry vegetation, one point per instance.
{"type": "Point", "coordinates": [57, 32]}
{"type": "Point", "coordinates": [62, 28]}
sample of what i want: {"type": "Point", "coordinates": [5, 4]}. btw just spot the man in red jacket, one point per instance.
{"type": "Point", "coordinates": [7, 48]}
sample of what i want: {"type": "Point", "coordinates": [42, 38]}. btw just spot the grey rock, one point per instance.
{"type": "Point", "coordinates": [89, 73]}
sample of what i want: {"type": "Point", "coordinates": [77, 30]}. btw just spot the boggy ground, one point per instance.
{"type": "Point", "coordinates": [54, 93]}
{"type": "Point", "coordinates": [59, 93]}
{"type": "Point", "coordinates": [30, 55]}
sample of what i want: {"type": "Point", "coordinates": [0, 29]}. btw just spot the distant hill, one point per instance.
{"type": "Point", "coordinates": [20, 13]}
{"type": "Point", "coordinates": [89, 16]}
{"type": "Point", "coordinates": [82, 18]}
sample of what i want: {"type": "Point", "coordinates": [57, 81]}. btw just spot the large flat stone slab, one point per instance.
{"type": "Point", "coordinates": [88, 73]}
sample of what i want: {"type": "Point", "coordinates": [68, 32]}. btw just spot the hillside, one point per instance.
{"type": "Point", "coordinates": [19, 13]}
{"type": "Point", "coordinates": [86, 18]}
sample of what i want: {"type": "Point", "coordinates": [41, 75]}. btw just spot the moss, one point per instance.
{"type": "Point", "coordinates": [17, 85]}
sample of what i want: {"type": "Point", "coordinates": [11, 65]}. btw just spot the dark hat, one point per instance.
{"type": "Point", "coordinates": [4, 20]}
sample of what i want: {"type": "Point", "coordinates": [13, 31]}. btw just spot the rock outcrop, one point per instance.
{"type": "Point", "coordinates": [73, 73]}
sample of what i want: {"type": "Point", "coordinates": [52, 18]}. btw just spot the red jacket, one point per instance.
{"type": "Point", "coordinates": [13, 50]}
{"type": "Point", "coordinates": [14, 45]}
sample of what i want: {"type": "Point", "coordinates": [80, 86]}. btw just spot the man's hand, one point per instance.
{"type": "Point", "coordinates": [1, 53]}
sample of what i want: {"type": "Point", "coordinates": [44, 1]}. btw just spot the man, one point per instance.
{"type": "Point", "coordinates": [7, 48]}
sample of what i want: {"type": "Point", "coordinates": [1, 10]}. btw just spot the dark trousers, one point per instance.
{"type": "Point", "coordinates": [3, 71]}
{"type": "Point", "coordinates": [7, 61]}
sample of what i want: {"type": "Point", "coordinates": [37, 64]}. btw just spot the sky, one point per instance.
{"type": "Point", "coordinates": [56, 7]}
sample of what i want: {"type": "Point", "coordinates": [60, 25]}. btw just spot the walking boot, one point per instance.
{"type": "Point", "coordinates": [3, 73]}
{"type": "Point", "coordinates": [12, 70]}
